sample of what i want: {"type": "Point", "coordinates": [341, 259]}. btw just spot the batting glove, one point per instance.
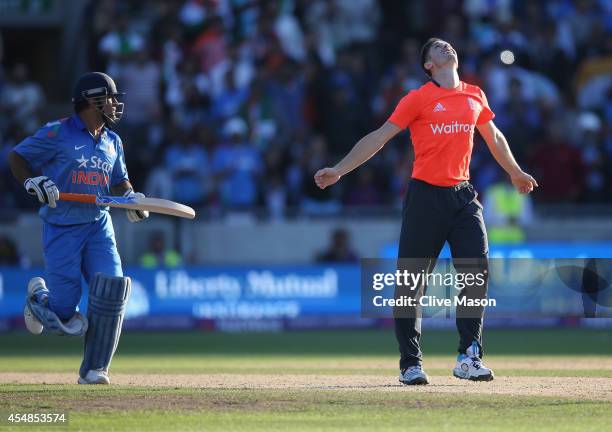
{"type": "Point", "coordinates": [135, 215]}
{"type": "Point", "coordinates": [44, 189]}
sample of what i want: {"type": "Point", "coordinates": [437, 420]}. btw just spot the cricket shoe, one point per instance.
{"type": "Point", "coordinates": [469, 366]}
{"type": "Point", "coordinates": [95, 376]}
{"type": "Point", "coordinates": [414, 375]}
{"type": "Point", "coordinates": [37, 292]}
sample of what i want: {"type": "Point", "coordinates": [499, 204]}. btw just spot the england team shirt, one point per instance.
{"type": "Point", "coordinates": [69, 155]}
{"type": "Point", "coordinates": [442, 123]}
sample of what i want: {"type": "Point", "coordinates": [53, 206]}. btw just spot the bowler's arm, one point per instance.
{"type": "Point", "coordinates": [498, 145]}
{"type": "Point", "coordinates": [365, 148]}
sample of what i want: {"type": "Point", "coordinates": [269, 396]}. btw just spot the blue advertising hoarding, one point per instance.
{"type": "Point", "coordinates": [323, 296]}
{"type": "Point", "coordinates": [217, 294]}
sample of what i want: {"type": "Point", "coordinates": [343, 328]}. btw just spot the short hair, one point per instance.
{"type": "Point", "coordinates": [425, 52]}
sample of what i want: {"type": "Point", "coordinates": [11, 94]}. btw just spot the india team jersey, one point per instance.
{"type": "Point", "coordinates": [442, 123]}
{"type": "Point", "coordinates": [67, 153]}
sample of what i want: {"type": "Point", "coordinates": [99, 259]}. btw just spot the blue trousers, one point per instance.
{"type": "Point", "coordinates": [76, 252]}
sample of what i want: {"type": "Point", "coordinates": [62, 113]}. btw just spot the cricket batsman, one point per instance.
{"type": "Point", "coordinates": [79, 154]}
{"type": "Point", "coordinates": [440, 204]}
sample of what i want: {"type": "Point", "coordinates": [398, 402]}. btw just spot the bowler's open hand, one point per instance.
{"type": "Point", "coordinates": [326, 177]}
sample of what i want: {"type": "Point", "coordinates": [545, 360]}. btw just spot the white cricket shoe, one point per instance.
{"type": "Point", "coordinates": [414, 375]}
{"type": "Point", "coordinates": [32, 323]}
{"type": "Point", "coordinates": [95, 376]}
{"type": "Point", "coordinates": [469, 366]}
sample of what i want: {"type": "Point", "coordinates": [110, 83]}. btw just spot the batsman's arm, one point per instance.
{"type": "Point", "coordinates": [19, 167]}
{"type": "Point", "coordinates": [365, 148]}
{"type": "Point", "coordinates": [498, 145]}
{"type": "Point", "coordinates": [122, 188]}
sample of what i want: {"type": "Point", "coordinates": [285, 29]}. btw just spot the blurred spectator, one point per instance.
{"type": "Point", "coordinates": [158, 255]}
{"type": "Point", "coordinates": [286, 92]}
{"type": "Point", "coordinates": [119, 43]}
{"type": "Point", "coordinates": [238, 64]}
{"type": "Point", "coordinates": [288, 30]}
{"type": "Point", "coordinates": [594, 77]}
{"type": "Point", "coordinates": [347, 120]}
{"type": "Point", "coordinates": [22, 100]}
{"type": "Point", "coordinates": [519, 119]}
{"type": "Point", "coordinates": [193, 13]}
{"type": "Point", "coordinates": [594, 157]}
{"type": "Point", "coordinates": [506, 212]}
{"type": "Point", "coordinates": [210, 47]}
{"type": "Point", "coordinates": [365, 192]}
{"type": "Point", "coordinates": [259, 112]}
{"type": "Point", "coordinates": [8, 252]}
{"type": "Point", "coordinates": [187, 83]}
{"type": "Point", "coordinates": [275, 192]}
{"type": "Point", "coordinates": [356, 21]}
{"type": "Point", "coordinates": [316, 201]}
{"type": "Point", "coordinates": [194, 109]}
{"type": "Point", "coordinates": [558, 167]}
{"type": "Point", "coordinates": [339, 249]}
{"type": "Point", "coordinates": [9, 255]}
{"type": "Point", "coordinates": [230, 98]}
{"type": "Point", "coordinates": [237, 165]}
{"type": "Point", "coordinates": [187, 163]}
{"type": "Point", "coordinates": [322, 35]}
{"type": "Point", "coordinates": [140, 78]}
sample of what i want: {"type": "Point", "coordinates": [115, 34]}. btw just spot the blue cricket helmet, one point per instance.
{"type": "Point", "coordinates": [95, 88]}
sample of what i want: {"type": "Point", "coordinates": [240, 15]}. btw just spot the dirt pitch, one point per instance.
{"type": "Point", "coordinates": [586, 388]}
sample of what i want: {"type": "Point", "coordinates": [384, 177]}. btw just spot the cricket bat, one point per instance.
{"type": "Point", "coordinates": [155, 205]}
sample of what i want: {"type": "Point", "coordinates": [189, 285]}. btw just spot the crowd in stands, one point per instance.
{"type": "Point", "coordinates": [234, 104]}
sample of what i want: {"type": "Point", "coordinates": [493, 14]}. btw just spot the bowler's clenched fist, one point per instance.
{"type": "Point", "coordinates": [524, 183]}
{"type": "Point", "coordinates": [326, 177]}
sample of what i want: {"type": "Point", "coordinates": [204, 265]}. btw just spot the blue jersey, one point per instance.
{"type": "Point", "coordinates": [67, 153]}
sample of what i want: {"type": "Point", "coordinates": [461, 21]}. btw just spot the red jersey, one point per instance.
{"type": "Point", "coordinates": [442, 123]}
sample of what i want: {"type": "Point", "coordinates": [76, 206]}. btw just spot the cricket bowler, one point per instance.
{"type": "Point", "coordinates": [440, 204]}
{"type": "Point", "coordinates": [79, 154]}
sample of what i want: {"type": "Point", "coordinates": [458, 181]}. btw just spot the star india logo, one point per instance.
{"type": "Point", "coordinates": [82, 161]}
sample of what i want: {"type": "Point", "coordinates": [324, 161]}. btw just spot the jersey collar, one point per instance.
{"type": "Point", "coordinates": [78, 122]}
{"type": "Point", "coordinates": [460, 87]}
{"type": "Point", "coordinates": [81, 126]}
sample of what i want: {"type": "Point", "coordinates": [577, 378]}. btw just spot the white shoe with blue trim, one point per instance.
{"type": "Point", "coordinates": [470, 367]}
{"type": "Point", "coordinates": [414, 375]}
{"type": "Point", "coordinates": [35, 286]}
{"type": "Point", "coordinates": [95, 376]}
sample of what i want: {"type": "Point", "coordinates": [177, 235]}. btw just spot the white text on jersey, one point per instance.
{"type": "Point", "coordinates": [449, 128]}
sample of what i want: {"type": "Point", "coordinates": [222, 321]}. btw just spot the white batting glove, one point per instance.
{"type": "Point", "coordinates": [135, 215]}
{"type": "Point", "coordinates": [44, 189]}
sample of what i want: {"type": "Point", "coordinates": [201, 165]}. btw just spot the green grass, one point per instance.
{"type": "Point", "coordinates": [269, 410]}
{"type": "Point", "coordinates": [325, 353]}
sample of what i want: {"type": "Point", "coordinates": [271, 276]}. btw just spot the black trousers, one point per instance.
{"type": "Point", "coordinates": [431, 216]}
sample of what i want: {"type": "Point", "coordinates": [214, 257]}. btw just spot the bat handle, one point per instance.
{"type": "Point", "coordinates": [75, 197]}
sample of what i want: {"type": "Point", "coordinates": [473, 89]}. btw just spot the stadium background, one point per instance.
{"type": "Point", "coordinates": [232, 105]}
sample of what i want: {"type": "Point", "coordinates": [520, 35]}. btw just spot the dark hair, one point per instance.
{"type": "Point", "coordinates": [425, 52]}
